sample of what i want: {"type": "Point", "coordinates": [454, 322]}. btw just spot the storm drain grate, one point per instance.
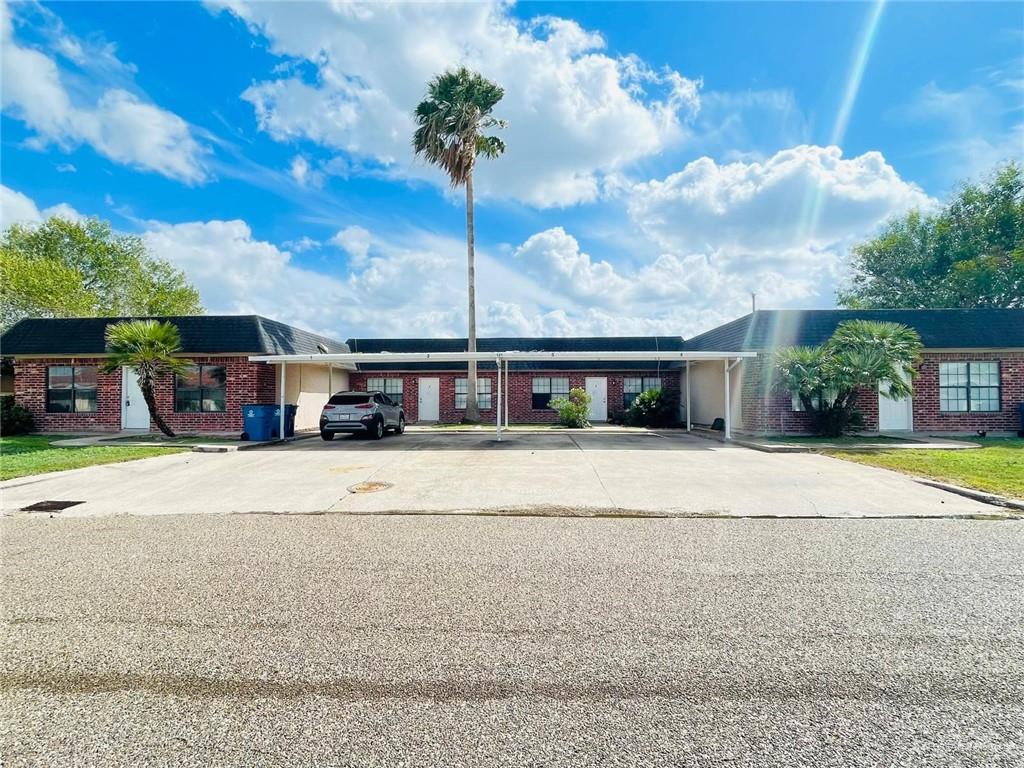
{"type": "Point", "coordinates": [369, 487]}
{"type": "Point", "coordinates": [50, 506]}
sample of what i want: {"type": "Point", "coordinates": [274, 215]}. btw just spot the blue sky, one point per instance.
{"type": "Point", "coordinates": [664, 159]}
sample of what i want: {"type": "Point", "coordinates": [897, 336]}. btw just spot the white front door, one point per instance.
{"type": "Point", "coordinates": [134, 413]}
{"type": "Point", "coordinates": [428, 400]}
{"type": "Point", "coordinates": [894, 415]}
{"type": "Point", "coordinates": [597, 388]}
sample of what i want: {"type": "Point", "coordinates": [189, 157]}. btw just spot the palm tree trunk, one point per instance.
{"type": "Point", "coordinates": [472, 414]}
{"type": "Point", "coordinates": [149, 395]}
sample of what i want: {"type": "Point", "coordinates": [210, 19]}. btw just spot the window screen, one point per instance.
{"type": "Point", "coordinates": [546, 389]}
{"type": "Point", "coordinates": [201, 389]}
{"type": "Point", "coordinates": [483, 393]}
{"type": "Point", "coordinates": [969, 386]}
{"type": "Point", "coordinates": [390, 387]}
{"type": "Point", "coordinates": [634, 385]}
{"type": "Point", "coordinates": [71, 388]}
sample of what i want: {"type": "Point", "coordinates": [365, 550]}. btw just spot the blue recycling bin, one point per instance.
{"type": "Point", "coordinates": [259, 422]}
{"type": "Point", "coordinates": [289, 421]}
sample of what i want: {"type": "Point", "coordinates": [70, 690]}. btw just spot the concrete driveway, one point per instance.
{"type": "Point", "coordinates": [572, 473]}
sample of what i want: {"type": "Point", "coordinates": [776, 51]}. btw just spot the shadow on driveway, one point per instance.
{"type": "Point", "coordinates": [486, 441]}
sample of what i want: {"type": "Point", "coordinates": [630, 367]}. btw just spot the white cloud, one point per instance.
{"type": "Point", "coordinates": [66, 168]}
{"type": "Point", "coordinates": [555, 257]}
{"type": "Point", "coordinates": [117, 123]}
{"type": "Point", "coordinates": [806, 197]}
{"type": "Point", "coordinates": [304, 174]}
{"type": "Point", "coordinates": [16, 208]}
{"type": "Point", "coordinates": [302, 245]}
{"type": "Point", "coordinates": [704, 238]}
{"type": "Point", "coordinates": [575, 111]}
{"type": "Point", "coordinates": [355, 241]}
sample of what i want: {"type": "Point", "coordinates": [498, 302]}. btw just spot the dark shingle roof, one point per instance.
{"type": "Point", "coordinates": [522, 344]}
{"type": "Point", "coordinates": [200, 334]}
{"type": "Point", "coordinates": [938, 328]}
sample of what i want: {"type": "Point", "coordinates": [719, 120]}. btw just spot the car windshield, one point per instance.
{"type": "Point", "coordinates": [349, 399]}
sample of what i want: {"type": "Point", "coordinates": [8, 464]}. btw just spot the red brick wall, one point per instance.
{"type": "Point", "coordinates": [520, 383]}
{"type": "Point", "coordinates": [767, 412]}
{"type": "Point", "coordinates": [927, 415]}
{"type": "Point", "coordinates": [247, 382]}
{"type": "Point", "coordinates": [30, 379]}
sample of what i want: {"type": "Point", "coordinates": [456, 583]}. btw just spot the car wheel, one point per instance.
{"type": "Point", "coordinates": [401, 425]}
{"type": "Point", "coordinates": [378, 429]}
{"type": "Point", "coordinates": [326, 435]}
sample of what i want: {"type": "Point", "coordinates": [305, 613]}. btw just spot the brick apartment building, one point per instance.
{"type": "Point", "coordinates": [971, 376]}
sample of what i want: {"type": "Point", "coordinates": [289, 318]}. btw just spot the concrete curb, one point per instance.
{"type": "Point", "coordinates": [970, 493]}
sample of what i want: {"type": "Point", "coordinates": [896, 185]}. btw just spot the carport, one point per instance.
{"type": "Point", "coordinates": [729, 361]}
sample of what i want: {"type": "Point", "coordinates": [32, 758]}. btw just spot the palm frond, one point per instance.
{"type": "Point", "coordinates": [450, 119]}
{"type": "Point", "coordinates": [150, 345]}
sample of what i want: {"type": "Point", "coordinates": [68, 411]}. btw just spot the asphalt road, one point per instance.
{"type": "Point", "coordinates": [258, 640]}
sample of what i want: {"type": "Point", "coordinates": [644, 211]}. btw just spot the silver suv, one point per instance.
{"type": "Point", "coordinates": [372, 413]}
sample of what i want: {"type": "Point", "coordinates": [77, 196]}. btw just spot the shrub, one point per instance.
{"type": "Point", "coordinates": [14, 419]}
{"type": "Point", "coordinates": [573, 411]}
{"type": "Point", "coordinates": [653, 408]}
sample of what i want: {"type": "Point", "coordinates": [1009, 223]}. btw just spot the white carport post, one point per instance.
{"type": "Point", "coordinates": [728, 395]}
{"type": "Point", "coordinates": [330, 380]}
{"type": "Point", "coordinates": [497, 412]}
{"type": "Point", "coordinates": [689, 422]}
{"type": "Point", "coordinates": [507, 391]}
{"type": "Point", "coordinates": [728, 405]}
{"type": "Point", "coordinates": [280, 413]}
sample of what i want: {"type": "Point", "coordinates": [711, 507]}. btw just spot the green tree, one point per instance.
{"type": "Point", "coordinates": [968, 254]}
{"type": "Point", "coordinates": [450, 122]}
{"type": "Point", "coordinates": [860, 355]}
{"type": "Point", "coordinates": [151, 349]}
{"type": "Point", "coordinates": [63, 268]}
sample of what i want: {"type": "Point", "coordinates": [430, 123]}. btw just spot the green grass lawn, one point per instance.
{"type": "Point", "coordinates": [33, 455]}
{"type": "Point", "coordinates": [998, 467]}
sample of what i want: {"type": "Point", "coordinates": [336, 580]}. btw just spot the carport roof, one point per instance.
{"type": "Point", "coordinates": [556, 344]}
{"type": "Point", "coordinates": [938, 328]}
{"type": "Point", "coordinates": [200, 334]}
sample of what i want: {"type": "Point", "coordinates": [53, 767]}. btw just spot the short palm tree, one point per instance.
{"type": "Point", "coordinates": [450, 123]}
{"type": "Point", "coordinates": [860, 356]}
{"type": "Point", "coordinates": [148, 347]}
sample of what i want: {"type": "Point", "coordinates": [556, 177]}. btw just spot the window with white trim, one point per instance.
{"type": "Point", "coordinates": [483, 394]}
{"type": "Point", "coordinates": [633, 386]}
{"type": "Point", "coordinates": [546, 389]}
{"type": "Point", "coordinates": [969, 386]}
{"type": "Point", "coordinates": [390, 387]}
{"type": "Point", "coordinates": [71, 389]}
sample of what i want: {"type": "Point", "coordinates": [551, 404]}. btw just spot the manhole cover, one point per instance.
{"type": "Point", "coordinates": [50, 506]}
{"type": "Point", "coordinates": [369, 487]}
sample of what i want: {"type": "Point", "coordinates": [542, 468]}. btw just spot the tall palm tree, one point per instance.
{"type": "Point", "coordinates": [149, 347]}
{"type": "Point", "coordinates": [450, 123]}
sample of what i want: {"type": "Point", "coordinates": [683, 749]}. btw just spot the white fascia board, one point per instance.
{"type": "Point", "coordinates": [462, 357]}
